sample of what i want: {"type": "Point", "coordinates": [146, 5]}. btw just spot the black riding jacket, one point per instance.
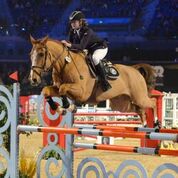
{"type": "Point", "coordinates": [87, 39]}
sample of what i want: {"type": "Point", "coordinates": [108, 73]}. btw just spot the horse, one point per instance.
{"type": "Point", "coordinates": [72, 78]}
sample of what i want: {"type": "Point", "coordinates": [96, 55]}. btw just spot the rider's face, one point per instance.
{"type": "Point", "coordinates": [75, 24]}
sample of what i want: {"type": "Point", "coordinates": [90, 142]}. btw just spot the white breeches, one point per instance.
{"type": "Point", "coordinates": [98, 55]}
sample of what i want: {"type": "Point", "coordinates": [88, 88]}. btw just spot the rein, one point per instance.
{"type": "Point", "coordinates": [47, 53]}
{"type": "Point", "coordinates": [81, 77]}
{"type": "Point", "coordinates": [52, 62]}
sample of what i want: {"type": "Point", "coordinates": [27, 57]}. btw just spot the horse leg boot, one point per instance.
{"type": "Point", "coordinates": [65, 102]}
{"type": "Point", "coordinates": [51, 103]}
{"type": "Point", "coordinates": [70, 107]}
{"type": "Point", "coordinates": [54, 106]}
{"type": "Point", "coordinates": [102, 76]}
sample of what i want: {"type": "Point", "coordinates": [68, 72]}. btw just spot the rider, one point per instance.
{"type": "Point", "coordinates": [82, 37]}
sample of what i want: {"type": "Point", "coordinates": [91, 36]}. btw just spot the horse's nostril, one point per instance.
{"type": "Point", "coordinates": [34, 80]}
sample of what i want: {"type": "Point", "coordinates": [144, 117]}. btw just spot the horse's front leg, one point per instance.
{"type": "Point", "coordinates": [71, 107]}
{"type": "Point", "coordinates": [49, 92]}
{"type": "Point", "coordinates": [73, 91]}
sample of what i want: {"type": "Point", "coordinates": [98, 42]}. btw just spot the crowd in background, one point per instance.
{"type": "Point", "coordinates": [38, 17]}
{"type": "Point", "coordinates": [164, 23]}
{"type": "Point", "coordinates": [114, 8]}
{"type": "Point", "coordinates": [32, 16]}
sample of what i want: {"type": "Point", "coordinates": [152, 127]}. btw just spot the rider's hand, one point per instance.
{"type": "Point", "coordinates": [67, 44]}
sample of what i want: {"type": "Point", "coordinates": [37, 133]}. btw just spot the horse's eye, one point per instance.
{"type": "Point", "coordinates": [40, 54]}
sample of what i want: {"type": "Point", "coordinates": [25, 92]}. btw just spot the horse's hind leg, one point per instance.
{"type": "Point", "coordinates": [121, 103]}
{"type": "Point", "coordinates": [142, 113]}
{"type": "Point", "coordinates": [157, 123]}
{"type": "Point", "coordinates": [146, 102]}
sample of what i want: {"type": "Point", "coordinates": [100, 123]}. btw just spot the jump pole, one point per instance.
{"type": "Point", "coordinates": [130, 149]}
{"type": "Point", "coordinates": [106, 114]}
{"type": "Point", "coordinates": [107, 122]}
{"type": "Point", "coordinates": [98, 132]}
{"type": "Point", "coordinates": [124, 128]}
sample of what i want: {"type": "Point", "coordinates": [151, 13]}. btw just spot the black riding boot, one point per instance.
{"type": "Point", "coordinates": [102, 76]}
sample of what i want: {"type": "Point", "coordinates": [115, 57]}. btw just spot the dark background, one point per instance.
{"type": "Point", "coordinates": [137, 31]}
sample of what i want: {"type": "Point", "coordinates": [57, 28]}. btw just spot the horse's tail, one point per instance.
{"type": "Point", "coordinates": [149, 74]}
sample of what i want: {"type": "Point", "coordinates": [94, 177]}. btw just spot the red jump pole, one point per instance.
{"type": "Point", "coordinates": [107, 122]}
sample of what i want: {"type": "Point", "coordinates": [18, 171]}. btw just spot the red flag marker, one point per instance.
{"type": "Point", "coordinates": [14, 76]}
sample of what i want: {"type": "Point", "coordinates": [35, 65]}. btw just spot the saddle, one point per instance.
{"type": "Point", "coordinates": [110, 71]}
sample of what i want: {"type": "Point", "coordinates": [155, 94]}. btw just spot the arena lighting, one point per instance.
{"type": "Point", "coordinates": [107, 21]}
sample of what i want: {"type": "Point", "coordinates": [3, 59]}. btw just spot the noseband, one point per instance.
{"type": "Point", "coordinates": [40, 67]}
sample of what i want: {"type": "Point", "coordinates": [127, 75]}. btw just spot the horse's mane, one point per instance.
{"type": "Point", "coordinates": [54, 40]}
{"type": "Point", "coordinates": [78, 52]}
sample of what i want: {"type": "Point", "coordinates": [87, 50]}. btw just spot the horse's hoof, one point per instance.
{"type": "Point", "coordinates": [64, 112]}
{"type": "Point", "coordinates": [75, 109]}
{"type": "Point", "coordinates": [61, 111]}
{"type": "Point", "coordinates": [157, 124]}
{"type": "Point", "coordinates": [72, 108]}
{"type": "Point", "coordinates": [145, 125]}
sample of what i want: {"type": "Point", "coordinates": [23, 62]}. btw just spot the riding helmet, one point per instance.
{"type": "Point", "coordinates": [76, 15]}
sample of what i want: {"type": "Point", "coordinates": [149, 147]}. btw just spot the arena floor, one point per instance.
{"type": "Point", "coordinates": [111, 160]}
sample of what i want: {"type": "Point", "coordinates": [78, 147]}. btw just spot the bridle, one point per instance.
{"type": "Point", "coordinates": [47, 53]}
{"type": "Point", "coordinates": [43, 67]}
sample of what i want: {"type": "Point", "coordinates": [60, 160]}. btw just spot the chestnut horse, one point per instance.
{"type": "Point", "coordinates": [72, 78]}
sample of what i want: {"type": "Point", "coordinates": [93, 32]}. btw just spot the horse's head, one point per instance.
{"type": "Point", "coordinates": [39, 58]}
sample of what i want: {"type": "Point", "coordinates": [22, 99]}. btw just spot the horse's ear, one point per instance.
{"type": "Point", "coordinates": [44, 40]}
{"type": "Point", "coordinates": [33, 41]}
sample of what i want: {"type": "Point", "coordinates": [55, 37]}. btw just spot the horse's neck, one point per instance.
{"type": "Point", "coordinates": [72, 69]}
{"type": "Point", "coordinates": [55, 48]}
{"type": "Point", "coordinates": [75, 71]}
